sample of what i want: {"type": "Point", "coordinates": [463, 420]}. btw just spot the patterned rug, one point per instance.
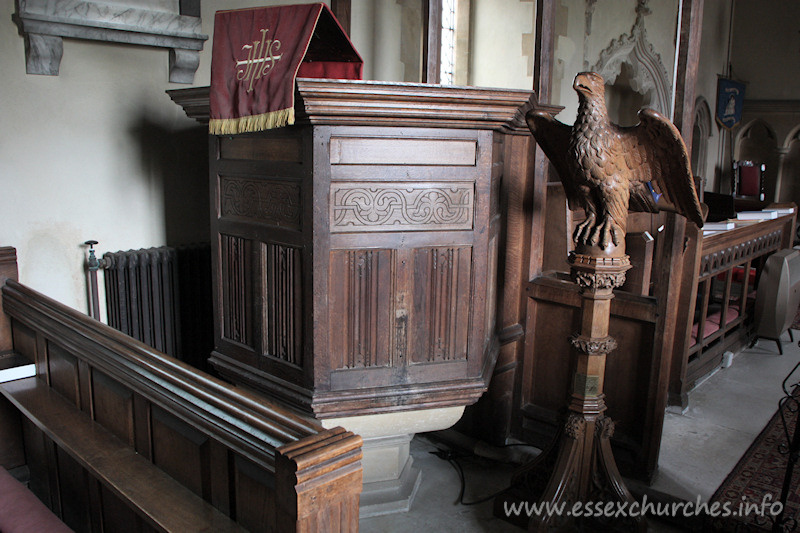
{"type": "Point", "coordinates": [754, 485]}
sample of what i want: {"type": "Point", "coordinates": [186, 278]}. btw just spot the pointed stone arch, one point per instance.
{"type": "Point", "coordinates": [648, 76]}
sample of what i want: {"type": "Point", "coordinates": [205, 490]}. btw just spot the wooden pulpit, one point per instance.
{"type": "Point", "coordinates": [356, 252]}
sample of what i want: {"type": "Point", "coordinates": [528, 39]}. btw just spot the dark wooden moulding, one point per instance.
{"type": "Point", "coordinates": [356, 252]}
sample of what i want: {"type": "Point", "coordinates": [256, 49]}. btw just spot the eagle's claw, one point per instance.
{"type": "Point", "coordinates": [583, 231]}
{"type": "Point", "coordinates": [593, 233]}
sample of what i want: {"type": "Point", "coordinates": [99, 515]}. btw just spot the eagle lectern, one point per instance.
{"type": "Point", "coordinates": [606, 170]}
{"type": "Point", "coordinates": [356, 252]}
{"type": "Point", "coordinates": [579, 467]}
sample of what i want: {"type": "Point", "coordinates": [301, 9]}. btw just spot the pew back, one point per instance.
{"type": "Point", "coordinates": [121, 437]}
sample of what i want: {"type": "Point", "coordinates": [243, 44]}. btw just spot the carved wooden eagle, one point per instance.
{"type": "Point", "coordinates": [608, 169]}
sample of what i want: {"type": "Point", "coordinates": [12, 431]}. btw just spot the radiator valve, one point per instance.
{"type": "Point", "coordinates": [93, 263]}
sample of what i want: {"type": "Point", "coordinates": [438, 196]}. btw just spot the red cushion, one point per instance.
{"type": "Point", "coordinates": [22, 512]}
{"type": "Point", "coordinates": [711, 326]}
{"type": "Point", "coordinates": [738, 275]}
{"type": "Point", "coordinates": [731, 315]}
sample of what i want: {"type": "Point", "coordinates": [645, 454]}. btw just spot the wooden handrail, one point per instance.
{"type": "Point", "coordinates": [157, 376]}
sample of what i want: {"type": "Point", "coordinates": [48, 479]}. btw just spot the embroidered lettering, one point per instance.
{"type": "Point", "coordinates": [261, 58]}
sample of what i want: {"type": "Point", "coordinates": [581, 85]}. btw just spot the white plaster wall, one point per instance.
{"type": "Point", "coordinates": [70, 166]}
{"type": "Point", "coordinates": [83, 155]}
{"type": "Point", "coordinates": [375, 28]}
{"type": "Point", "coordinates": [499, 54]}
{"type": "Point", "coordinates": [713, 61]}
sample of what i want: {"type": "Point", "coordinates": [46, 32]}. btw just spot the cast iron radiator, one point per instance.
{"type": "Point", "coordinates": [162, 297]}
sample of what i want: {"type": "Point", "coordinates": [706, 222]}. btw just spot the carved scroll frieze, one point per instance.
{"type": "Point", "coordinates": [272, 202]}
{"type": "Point", "coordinates": [359, 207]}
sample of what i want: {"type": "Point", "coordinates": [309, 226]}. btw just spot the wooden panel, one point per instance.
{"type": "Point", "coordinates": [401, 206]}
{"type": "Point", "coordinates": [555, 314]}
{"type": "Point", "coordinates": [376, 151]}
{"type": "Point", "coordinates": [161, 499]}
{"type": "Point", "coordinates": [491, 291]}
{"type": "Point", "coordinates": [73, 482]}
{"type": "Point", "coordinates": [255, 496]}
{"type": "Point", "coordinates": [36, 445]}
{"type": "Point", "coordinates": [360, 302]}
{"type": "Point", "coordinates": [271, 202]}
{"type": "Point", "coordinates": [237, 291]}
{"type": "Point", "coordinates": [12, 451]}
{"type": "Point", "coordinates": [182, 452]}
{"type": "Point", "coordinates": [282, 301]}
{"type": "Point", "coordinates": [288, 149]}
{"type": "Point", "coordinates": [24, 341]}
{"type": "Point", "coordinates": [118, 517]}
{"type": "Point", "coordinates": [113, 407]}
{"type": "Point", "coordinates": [442, 290]}
{"type": "Point", "coordinates": [63, 372]}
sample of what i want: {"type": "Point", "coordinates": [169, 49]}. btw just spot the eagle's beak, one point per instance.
{"type": "Point", "coordinates": [579, 86]}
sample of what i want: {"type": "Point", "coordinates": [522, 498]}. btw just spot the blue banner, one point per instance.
{"type": "Point", "coordinates": [730, 100]}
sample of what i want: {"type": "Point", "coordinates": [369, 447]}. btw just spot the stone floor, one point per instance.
{"type": "Point", "coordinates": [699, 448]}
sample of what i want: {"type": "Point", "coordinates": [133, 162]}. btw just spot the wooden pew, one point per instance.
{"type": "Point", "coordinates": [120, 437]}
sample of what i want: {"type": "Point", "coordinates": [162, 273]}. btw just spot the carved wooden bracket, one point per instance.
{"type": "Point", "coordinates": [155, 23]}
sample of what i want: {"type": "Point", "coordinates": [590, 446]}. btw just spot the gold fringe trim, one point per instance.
{"type": "Point", "coordinates": [253, 123]}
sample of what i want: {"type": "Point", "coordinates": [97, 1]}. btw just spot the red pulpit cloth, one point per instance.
{"type": "Point", "coordinates": [257, 55]}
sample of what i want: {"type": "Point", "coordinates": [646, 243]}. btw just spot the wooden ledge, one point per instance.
{"type": "Point", "coordinates": [163, 502]}
{"type": "Point", "coordinates": [379, 103]}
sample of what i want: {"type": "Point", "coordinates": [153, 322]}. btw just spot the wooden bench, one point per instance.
{"type": "Point", "coordinates": [120, 437]}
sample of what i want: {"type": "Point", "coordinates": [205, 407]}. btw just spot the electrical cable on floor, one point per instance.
{"type": "Point", "coordinates": [452, 457]}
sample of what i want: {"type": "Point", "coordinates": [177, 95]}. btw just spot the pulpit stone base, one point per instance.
{"type": "Point", "coordinates": [390, 478]}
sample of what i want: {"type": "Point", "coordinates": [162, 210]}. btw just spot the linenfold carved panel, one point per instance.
{"type": "Point", "coordinates": [236, 289]}
{"type": "Point", "coordinates": [272, 202]}
{"type": "Point", "coordinates": [442, 294]}
{"type": "Point", "coordinates": [362, 304]}
{"type": "Point", "coordinates": [282, 274]}
{"type": "Point", "coordinates": [362, 207]}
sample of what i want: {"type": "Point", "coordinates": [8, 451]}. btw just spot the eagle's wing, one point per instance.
{"type": "Point", "coordinates": [657, 157]}
{"type": "Point", "coordinates": [553, 136]}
